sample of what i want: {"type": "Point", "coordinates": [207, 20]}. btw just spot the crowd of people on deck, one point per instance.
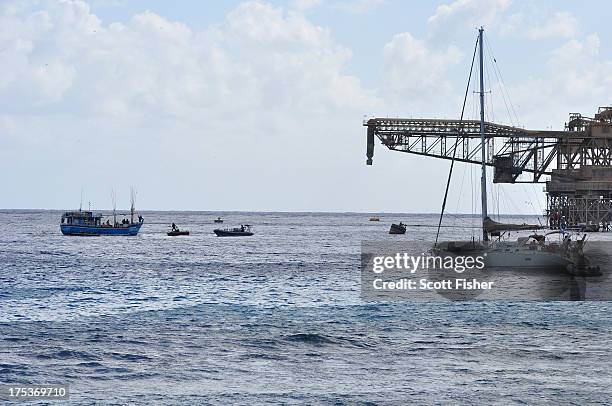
{"type": "Point", "coordinates": [124, 222]}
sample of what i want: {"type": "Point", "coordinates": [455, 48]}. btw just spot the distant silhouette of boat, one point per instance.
{"type": "Point", "coordinates": [398, 228]}
{"type": "Point", "coordinates": [218, 220]}
{"type": "Point", "coordinates": [375, 218]}
{"type": "Point", "coordinates": [174, 231]}
{"type": "Point", "coordinates": [177, 232]}
{"type": "Point", "coordinates": [242, 231]}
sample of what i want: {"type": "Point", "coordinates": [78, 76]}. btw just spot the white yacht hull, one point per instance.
{"type": "Point", "coordinates": [508, 255]}
{"type": "Point", "coordinates": [519, 258]}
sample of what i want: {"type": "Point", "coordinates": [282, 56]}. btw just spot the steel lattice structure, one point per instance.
{"type": "Point", "coordinates": [576, 161]}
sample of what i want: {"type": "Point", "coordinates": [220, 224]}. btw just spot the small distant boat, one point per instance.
{"type": "Point", "coordinates": [218, 220]}
{"type": "Point", "coordinates": [174, 233]}
{"type": "Point", "coordinates": [398, 228]}
{"type": "Point", "coordinates": [375, 218]}
{"type": "Point", "coordinates": [242, 231]}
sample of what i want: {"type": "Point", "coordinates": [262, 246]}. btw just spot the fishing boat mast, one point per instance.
{"type": "Point", "coordinates": [483, 178]}
{"type": "Point", "coordinates": [114, 198]}
{"type": "Point", "coordinates": [132, 204]}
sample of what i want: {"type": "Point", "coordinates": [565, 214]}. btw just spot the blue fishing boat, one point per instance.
{"type": "Point", "coordinates": [86, 223]}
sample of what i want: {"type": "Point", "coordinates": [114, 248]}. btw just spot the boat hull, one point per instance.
{"type": "Point", "coordinates": [83, 230]}
{"type": "Point", "coordinates": [229, 233]}
{"type": "Point", "coordinates": [506, 255]}
{"type": "Point", "coordinates": [177, 233]}
{"type": "Point", "coordinates": [397, 229]}
{"type": "Point", "coordinates": [526, 259]}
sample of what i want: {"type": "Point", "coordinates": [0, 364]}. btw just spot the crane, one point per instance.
{"type": "Point", "coordinates": [575, 164]}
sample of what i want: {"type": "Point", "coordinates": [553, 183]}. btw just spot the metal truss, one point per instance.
{"type": "Point", "coordinates": [576, 163]}
{"type": "Point", "coordinates": [512, 151]}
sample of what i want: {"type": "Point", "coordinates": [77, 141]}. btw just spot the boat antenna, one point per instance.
{"type": "Point", "coordinates": [450, 172]}
{"type": "Point", "coordinates": [81, 202]}
{"type": "Point", "coordinates": [483, 178]}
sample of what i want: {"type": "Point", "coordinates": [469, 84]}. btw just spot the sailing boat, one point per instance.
{"type": "Point", "coordinates": [527, 252]}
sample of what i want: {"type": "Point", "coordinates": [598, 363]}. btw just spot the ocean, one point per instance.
{"type": "Point", "coordinates": [276, 318]}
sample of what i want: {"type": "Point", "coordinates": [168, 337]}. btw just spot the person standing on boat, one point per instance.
{"type": "Point", "coordinates": [173, 227]}
{"type": "Point", "coordinates": [562, 225]}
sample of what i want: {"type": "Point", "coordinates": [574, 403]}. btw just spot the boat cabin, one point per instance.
{"type": "Point", "coordinates": [83, 218]}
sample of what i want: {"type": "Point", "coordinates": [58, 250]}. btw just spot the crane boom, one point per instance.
{"type": "Point", "coordinates": [575, 164]}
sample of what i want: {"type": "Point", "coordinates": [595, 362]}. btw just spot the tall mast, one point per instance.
{"type": "Point", "coordinates": [483, 178]}
{"type": "Point", "coordinates": [114, 198]}
{"type": "Point", "coordinates": [132, 204]}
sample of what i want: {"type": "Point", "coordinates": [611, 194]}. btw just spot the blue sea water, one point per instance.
{"type": "Point", "coordinates": [275, 318]}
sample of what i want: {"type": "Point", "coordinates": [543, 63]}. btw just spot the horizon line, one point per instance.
{"type": "Point", "coordinates": [272, 211]}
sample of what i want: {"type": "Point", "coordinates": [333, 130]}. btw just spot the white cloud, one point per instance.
{"type": "Point", "coordinates": [523, 21]}
{"type": "Point", "coordinates": [570, 75]}
{"type": "Point", "coordinates": [575, 79]}
{"type": "Point", "coordinates": [537, 26]}
{"type": "Point", "coordinates": [576, 52]}
{"type": "Point", "coordinates": [304, 5]}
{"type": "Point", "coordinates": [265, 87]}
{"type": "Point", "coordinates": [562, 24]}
{"type": "Point", "coordinates": [416, 67]}
{"type": "Point", "coordinates": [260, 55]}
{"type": "Point", "coordinates": [294, 64]}
{"type": "Point", "coordinates": [358, 6]}
{"type": "Point", "coordinates": [578, 72]}
{"type": "Point", "coordinates": [468, 13]}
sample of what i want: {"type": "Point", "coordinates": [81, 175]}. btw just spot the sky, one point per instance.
{"type": "Point", "coordinates": [258, 105]}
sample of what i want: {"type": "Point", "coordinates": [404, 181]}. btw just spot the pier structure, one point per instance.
{"type": "Point", "coordinates": [575, 164]}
